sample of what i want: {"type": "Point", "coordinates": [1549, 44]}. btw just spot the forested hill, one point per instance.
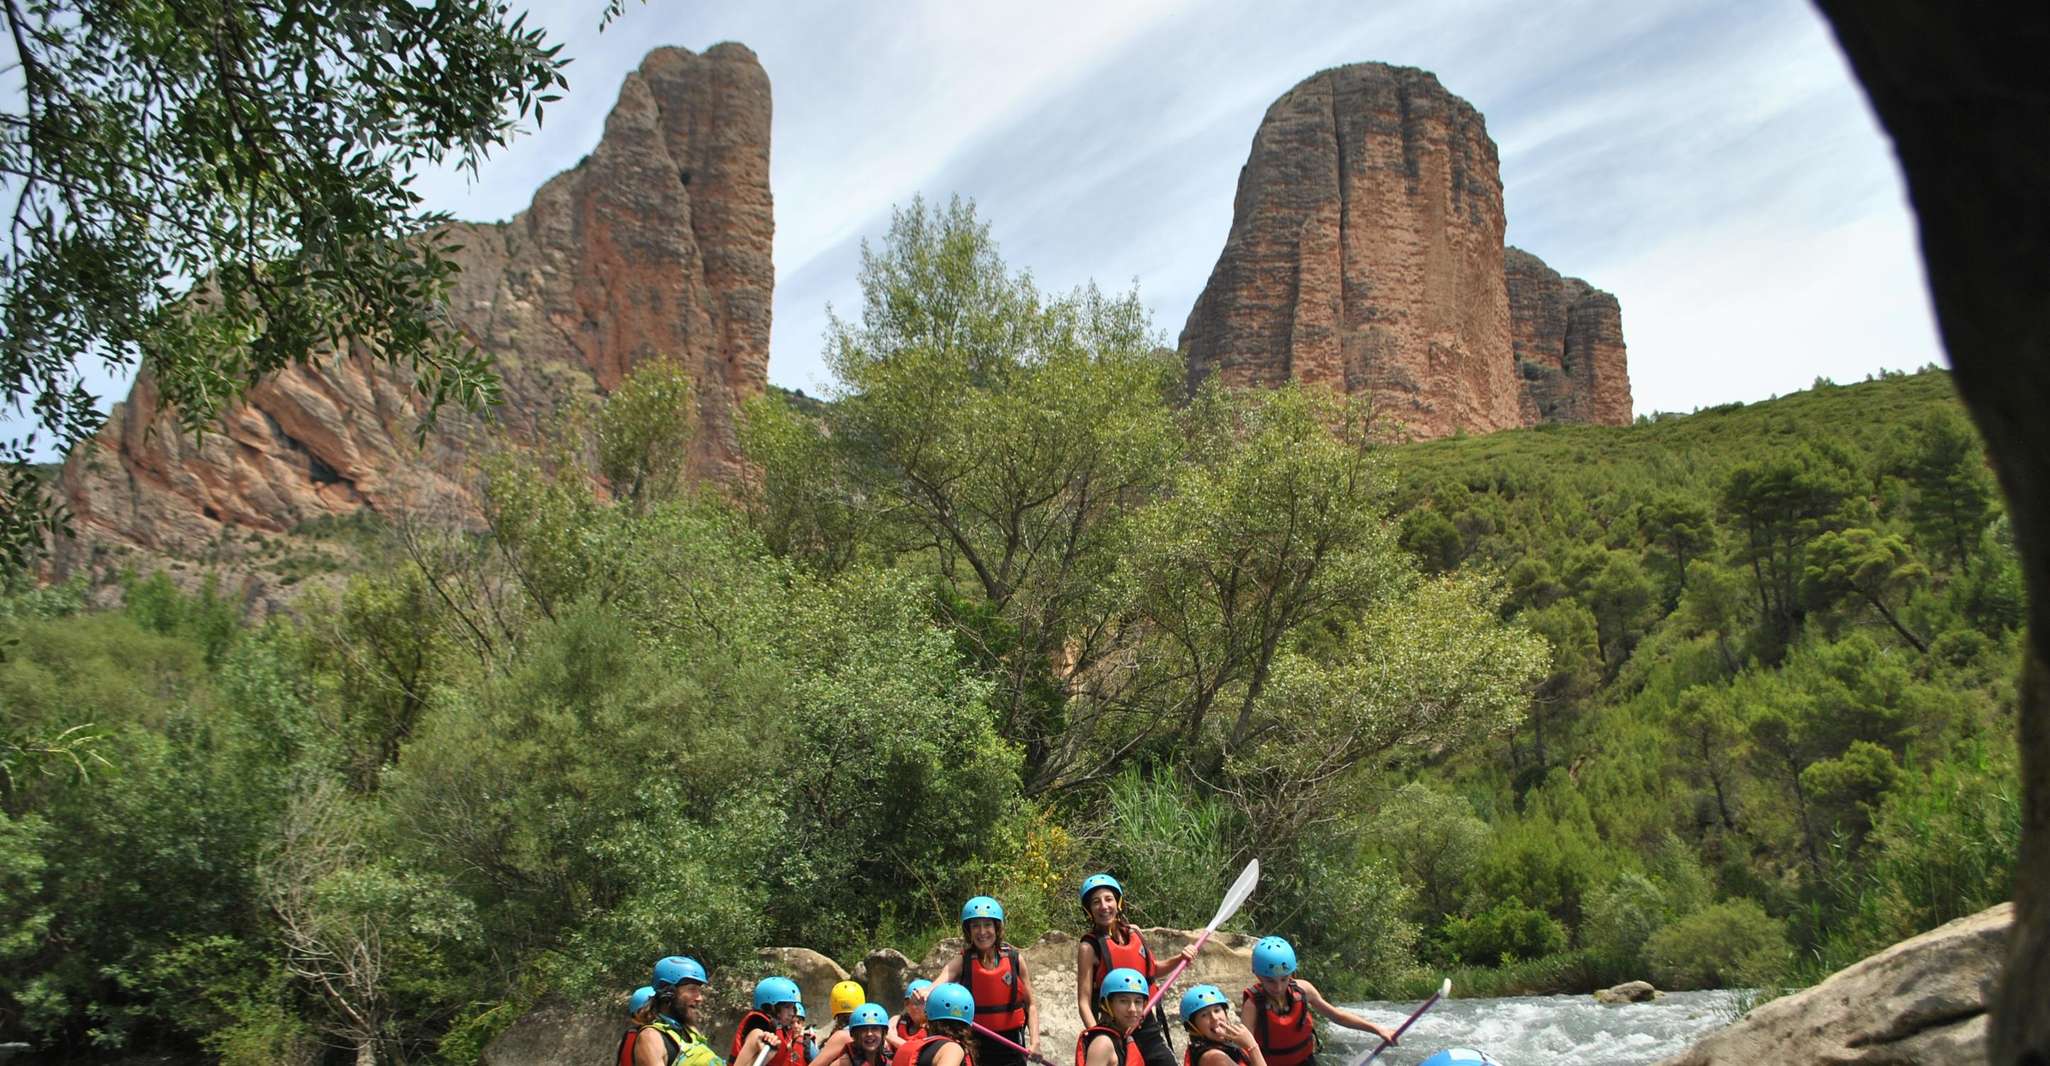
{"type": "Point", "coordinates": [1719, 699]}
{"type": "Point", "coordinates": [1783, 639]}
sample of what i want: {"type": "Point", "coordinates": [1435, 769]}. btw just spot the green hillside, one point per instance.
{"type": "Point", "coordinates": [1723, 699]}
{"type": "Point", "coordinates": [1783, 642]}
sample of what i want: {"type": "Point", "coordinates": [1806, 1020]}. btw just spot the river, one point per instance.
{"type": "Point", "coordinates": [1541, 1030]}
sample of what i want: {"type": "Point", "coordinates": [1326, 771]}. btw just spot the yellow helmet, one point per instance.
{"type": "Point", "coordinates": [848, 995]}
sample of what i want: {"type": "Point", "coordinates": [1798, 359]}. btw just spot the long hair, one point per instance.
{"type": "Point", "coordinates": [1120, 926]}
{"type": "Point", "coordinates": [968, 945]}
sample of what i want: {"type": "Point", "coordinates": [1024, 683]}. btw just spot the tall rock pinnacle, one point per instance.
{"type": "Point", "coordinates": [1366, 255]}
{"type": "Point", "coordinates": [656, 245]}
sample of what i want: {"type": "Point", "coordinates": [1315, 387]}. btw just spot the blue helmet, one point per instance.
{"type": "Point", "coordinates": [982, 907]}
{"type": "Point", "coordinates": [676, 969]}
{"type": "Point", "coordinates": [1459, 1056]}
{"type": "Point", "coordinates": [1123, 979]}
{"type": "Point", "coordinates": [1272, 957]}
{"type": "Point", "coordinates": [916, 987]}
{"type": "Point", "coordinates": [868, 1014]}
{"type": "Point", "coordinates": [1199, 997]}
{"type": "Point", "coordinates": [639, 999]}
{"type": "Point", "coordinates": [1096, 881]}
{"type": "Point", "coordinates": [770, 991]}
{"type": "Point", "coordinates": [950, 1003]}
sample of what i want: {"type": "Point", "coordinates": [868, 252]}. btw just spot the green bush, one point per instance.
{"type": "Point", "coordinates": [1508, 930]}
{"type": "Point", "coordinates": [1725, 945]}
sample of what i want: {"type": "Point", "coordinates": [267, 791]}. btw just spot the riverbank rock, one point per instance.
{"type": "Point", "coordinates": [555, 1034]}
{"type": "Point", "coordinates": [1628, 992]}
{"type": "Point", "coordinates": [883, 975]}
{"type": "Point", "coordinates": [1920, 1001]}
{"type": "Point", "coordinates": [815, 975]}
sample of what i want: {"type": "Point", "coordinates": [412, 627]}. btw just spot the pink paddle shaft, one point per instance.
{"type": "Point", "coordinates": [1009, 1043]}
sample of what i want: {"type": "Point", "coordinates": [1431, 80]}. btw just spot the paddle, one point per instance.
{"type": "Point", "coordinates": [1007, 1042]}
{"type": "Point", "coordinates": [767, 1046]}
{"type": "Point", "coordinates": [1443, 991]}
{"type": "Point", "coordinates": [1234, 898]}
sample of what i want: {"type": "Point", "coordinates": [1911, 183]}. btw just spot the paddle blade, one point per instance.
{"type": "Point", "coordinates": [1235, 896]}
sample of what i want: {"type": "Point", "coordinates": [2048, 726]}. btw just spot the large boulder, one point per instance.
{"type": "Point", "coordinates": [556, 1033]}
{"type": "Point", "coordinates": [1923, 1000]}
{"type": "Point", "coordinates": [883, 974]}
{"type": "Point", "coordinates": [815, 975]}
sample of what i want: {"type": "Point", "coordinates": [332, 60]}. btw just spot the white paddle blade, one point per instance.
{"type": "Point", "coordinates": [1235, 897]}
{"type": "Point", "coordinates": [1445, 989]}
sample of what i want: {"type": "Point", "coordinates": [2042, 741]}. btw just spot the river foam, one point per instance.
{"type": "Point", "coordinates": [1542, 1030]}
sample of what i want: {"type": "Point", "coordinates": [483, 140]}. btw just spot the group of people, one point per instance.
{"type": "Point", "coordinates": [980, 1010]}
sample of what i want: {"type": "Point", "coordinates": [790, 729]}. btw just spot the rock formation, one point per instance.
{"type": "Point", "coordinates": [1921, 1000]}
{"type": "Point", "coordinates": [656, 245]}
{"type": "Point", "coordinates": [1366, 254]}
{"type": "Point", "coordinates": [1566, 338]}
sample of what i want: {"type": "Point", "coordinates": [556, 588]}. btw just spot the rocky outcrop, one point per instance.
{"type": "Point", "coordinates": [1922, 1000]}
{"type": "Point", "coordinates": [657, 245]}
{"type": "Point", "coordinates": [1566, 338]}
{"type": "Point", "coordinates": [1366, 255]}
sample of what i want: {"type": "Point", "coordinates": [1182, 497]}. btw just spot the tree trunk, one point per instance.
{"type": "Point", "coordinates": [1960, 88]}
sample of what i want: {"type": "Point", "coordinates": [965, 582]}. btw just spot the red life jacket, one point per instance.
{"type": "Point", "coordinates": [997, 1004]}
{"type": "Point", "coordinates": [1286, 1037]}
{"type": "Point", "coordinates": [1110, 955]}
{"type": "Point", "coordinates": [1198, 1045]}
{"type": "Point", "coordinates": [790, 1049]}
{"type": "Point", "coordinates": [1128, 1048]}
{"type": "Point", "coordinates": [904, 1034]}
{"type": "Point", "coordinates": [920, 1049]}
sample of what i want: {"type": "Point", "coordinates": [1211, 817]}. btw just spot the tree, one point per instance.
{"type": "Point", "coordinates": [1000, 436]}
{"type": "Point", "coordinates": [261, 151]}
{"type": "Point", "coordinates": [1680, 528]}
{"type": "Point", "coordinates": [1870, 567]}
{"type": "Point", "coordinates": [1273, 520]}
{"type": "Point", "coordinates": [1953, 498]}
{"type": "Point", "coordinates": [1778, 505]}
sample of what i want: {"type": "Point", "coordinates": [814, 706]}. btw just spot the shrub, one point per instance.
{"type": "Point", "coordinates": [1726, 945]}
{"type": "Point", "coordinates": [1508, 930]}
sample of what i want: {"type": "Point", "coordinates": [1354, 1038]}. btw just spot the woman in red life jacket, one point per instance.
{"type": "Point", "coordinates": [771, 1025]}
{"type": "Point", "coordinates": [912, 1022]}
{"type": "Point", "coordinates": [1214, 1039]}
{"type": "Point", "coordinates": [847, 997]}
{"type": "Point", "coordinates": [1278, 1008]}
{"type": "Point", "coordinates": [948, 1010]}
{"type": "Point", "coordinates": [1122, 1005]}
{"type": "Point", "coordinates": [1112, 943]}
{"type": "Point", "coordinates": [866, 1026]}
{"type": "Point", "coordinates": [994, 974]}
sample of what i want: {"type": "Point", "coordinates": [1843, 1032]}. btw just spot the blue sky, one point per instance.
{"type": "Point", "coordinates": [1712, 164]}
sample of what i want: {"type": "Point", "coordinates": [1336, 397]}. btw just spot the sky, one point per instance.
{"type": "Point", "coordinates": [1711, 164]}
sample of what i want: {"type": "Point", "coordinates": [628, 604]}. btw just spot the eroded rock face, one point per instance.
{"type": "Point", "coordinates": [656, 245]}
{"type": "Point", "coordinates": [1921, 1000]}
{"type": "Point", "coordinates": [1566, 338]}
{"type": "Point", "coordinates": [1366, 255]}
